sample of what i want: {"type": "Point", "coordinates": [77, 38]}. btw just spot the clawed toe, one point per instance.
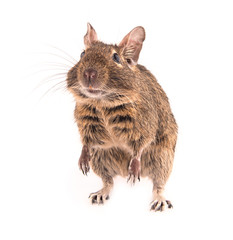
{"type": "Point", "coordinates": [159, 205]}
{"type": "Point", "coordinates": [98, 198]}
{"type": "Point", "coordinates": [84, 160]}
{"type": "Point", "coordinates": [85, 168]}
{"type": "Point", "coordinates": [134, 171]}
{"type": "Point", "coordinates": [169, 205]}
{"type": "Point", "coordinates": [132, 178]}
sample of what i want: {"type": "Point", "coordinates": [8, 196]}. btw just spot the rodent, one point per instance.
{"type": "Point", "coordinates": [123, 115]}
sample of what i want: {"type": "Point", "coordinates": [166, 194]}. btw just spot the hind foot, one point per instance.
{"type": "Point", "coordinates": [160, 204]}
{"type": "Point", "coordinates": [99, 197]}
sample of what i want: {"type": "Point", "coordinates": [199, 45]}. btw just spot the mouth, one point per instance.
{"type": "Point", "coordinates": [94, 91]}
{"type": "Point", "coordinates": [90, 92]}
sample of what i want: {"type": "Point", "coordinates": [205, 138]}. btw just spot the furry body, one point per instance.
{"type": "Point", "coordinates": [127, 128]}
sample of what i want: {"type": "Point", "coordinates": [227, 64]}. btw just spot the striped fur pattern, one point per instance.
{"type": "Point", "coordinates": [125, 123]}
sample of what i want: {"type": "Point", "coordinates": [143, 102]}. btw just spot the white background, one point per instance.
{"type": "Point", "coordinates": [188, 47]}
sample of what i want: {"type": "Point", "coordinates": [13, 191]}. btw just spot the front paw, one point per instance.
{"type": "Point", "coordinates": [84, 160]}
{"type": "Point", "coordinates": [134, 170]}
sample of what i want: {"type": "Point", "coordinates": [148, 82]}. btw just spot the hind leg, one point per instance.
{"type": "Point", "coordinates": [161, 170]}
{"type": "Point", "coordinates": [157, 165]}
{"type": "Point", "coordinates": [103, 194]}
{"type": "Point", "coordinates": [159, 203]}
{"type": "Point", "coordinates": [106, 163]}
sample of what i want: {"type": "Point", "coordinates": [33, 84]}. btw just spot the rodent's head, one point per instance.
{"type": "Point", "coordinates": [107, 72]}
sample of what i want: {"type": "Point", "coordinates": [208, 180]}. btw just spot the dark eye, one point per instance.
{"type": "Point", "coordinates": [116, 58]}
{"type": "Point", "coordinates": [82, 54]}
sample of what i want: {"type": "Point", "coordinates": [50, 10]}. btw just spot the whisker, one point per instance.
{"type": "Point", "coordinates": [57, 64]}
{"type": "Point", "coordinates": [49, 70]}
{"type": "Point", "coordinates": [67, 54]}
{"type": "Point", "coordinates": [54, 68]}
{"type": "Point", "coordinates": [50, 79]}
{"type": "Point", "coordinates": [53, 88]}
{"type": "Point", "coordinates": [60, 68]}
{"type": "Point", "coordinates": [53, 78]}
{"type": "Point", "coordinates": [61, 57]}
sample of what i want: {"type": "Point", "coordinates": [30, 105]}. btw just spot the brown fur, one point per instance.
{"type": "Point", "coordinates": [128, 126]}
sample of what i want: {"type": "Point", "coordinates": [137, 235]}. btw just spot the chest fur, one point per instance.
{"type": "Point", "coordinates": [105, 126]}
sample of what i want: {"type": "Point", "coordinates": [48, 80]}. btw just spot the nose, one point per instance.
{"type": "Point", "coordinates": [90, 76]}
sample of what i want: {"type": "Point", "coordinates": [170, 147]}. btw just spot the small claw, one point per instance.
{"type": "Point", "coordinates": [84, 168]}
{"type": "Point", "coordinates": [80, 167]}
{"type": "Point", "coordinates": [154, 206]}
{"type": "Point", "coordinates": [134, 170]}
{"type": "Point", "coordinates": [169, 204]}
{"type": "Point", "coordinates": [88, 168]}
{"type": "Point", "coordinates": [134, 179]}
{"type": "Point", "coordinates": [94, 199]}
{"type": "Point", "coordinates": [160, 205]}
{"type": "Point", "coordinates": [84, 160]}
{"type": "Point", "coordinates": [129, 178]}
{"type": "Point", "coordinates": [98, 198]}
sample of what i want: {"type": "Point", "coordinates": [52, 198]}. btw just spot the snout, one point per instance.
{"type": "Point", "coordinates": [90, 78]}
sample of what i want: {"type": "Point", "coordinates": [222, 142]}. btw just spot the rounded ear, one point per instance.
{"type": "Point", "coordinates": [132, 44]}
{"type": "Point", "coordinates": [90, 36]}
